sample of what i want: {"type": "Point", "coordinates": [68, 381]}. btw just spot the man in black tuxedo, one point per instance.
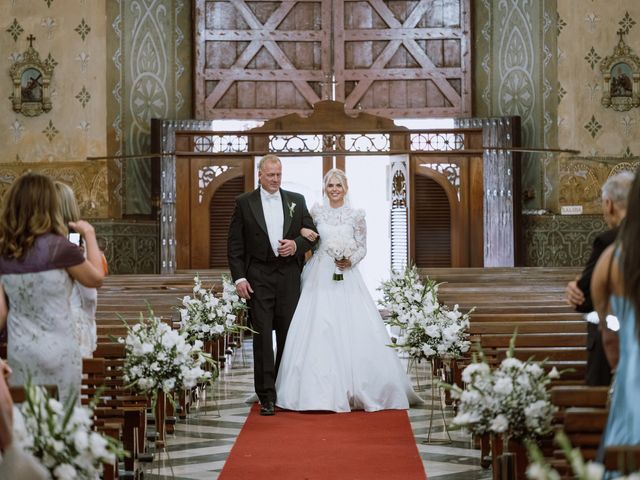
{"type": "Point", "coordinates": [578, 292]}
{"type": "Point", "coordinates": [266, 256]}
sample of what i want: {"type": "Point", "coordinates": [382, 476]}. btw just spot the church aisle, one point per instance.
{"type": "Point", "coordinates": [201, 444]}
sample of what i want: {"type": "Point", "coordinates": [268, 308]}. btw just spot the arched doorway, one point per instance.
{"type": "Point", "coordinates": [452, 158]}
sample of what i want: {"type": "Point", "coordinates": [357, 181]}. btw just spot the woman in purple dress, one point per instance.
{"type": "Point", "coordinates": [37, 268]}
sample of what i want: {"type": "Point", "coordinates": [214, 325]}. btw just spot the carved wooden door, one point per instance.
{"type": "Point", "coordinates": [398, 59]}
{"type": "Point", "coordinates": [207, 190]}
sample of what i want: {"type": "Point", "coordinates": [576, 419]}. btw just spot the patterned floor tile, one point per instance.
{"type": "Point", "coordinates": [200, 445]}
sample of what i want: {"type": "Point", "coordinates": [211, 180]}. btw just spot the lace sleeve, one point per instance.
{"type": "Point", "coordinates": [315, 212]}
{"type": "Point", "coordinates": [360, 234]}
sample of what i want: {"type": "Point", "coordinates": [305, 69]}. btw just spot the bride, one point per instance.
{"type": "Point", "coordinates": [336, 356]}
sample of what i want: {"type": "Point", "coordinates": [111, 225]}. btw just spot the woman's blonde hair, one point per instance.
{"type": "Point", "coordinates": [340, 175]}
{"type": "Point", "coordinates": [68, 204]}
{"type": "Point", "coordinates": [30, 209]}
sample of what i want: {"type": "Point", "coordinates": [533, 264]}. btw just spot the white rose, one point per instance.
{"type": "Point", "coordinates": [511, 363]}
{"type": "Point", "coordinates": [594, 471]}
{"type": "Point", "coordinates": [433, 331]}
{"type": "Point", "coordinates": [499, 424]}
{"type": "Point", "coordinates": [536, 471]}
{"type": "Point", "coordinates": [145, 383]}
{"type": "Point", "coordinates": [536, 409]}
{"type": "Point", "coordinates": [64, 472]}
{"type": "Point", "coordinates": [503, 386]}
{"type": "Point", "coordinates": [169, 384]}
{"type": "Point", "coordinates": [99, 446]}
{"type": "Point", "coordinates": [553, 374]}
{"type": "Point", "coordinates": [55, 406]}
{"type": "Point", "coordinates": [81, 416]}
{"type": "Point", "coordinates": [57, 445]}
{"type": "Point", "coordinates": [80, 440]}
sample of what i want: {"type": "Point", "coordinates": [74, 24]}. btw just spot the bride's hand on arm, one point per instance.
{"type": "Point", "coordinates": [309, 234]}
{"type": "Point", "coordinates": [343, 263]}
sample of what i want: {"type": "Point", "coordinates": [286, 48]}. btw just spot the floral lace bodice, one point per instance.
{"type": "Point", "coordinates": [342, 221]}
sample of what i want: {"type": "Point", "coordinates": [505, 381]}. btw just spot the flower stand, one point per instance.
{"type": "Point", "coordinates": [509, 462]}
{"type": "Point", "coordinates": [437, 372]}
{"type": "Point", "coordinates": [160, 413]}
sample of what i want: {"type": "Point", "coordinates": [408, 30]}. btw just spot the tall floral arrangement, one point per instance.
{"type": "Point", "coordinates": [60, 437]}
{"type": "Point", "coordinates": [206, 316]}
{"type": "Point", "coordinates": [161, 358]}
{"type": "Point", "coordinates": [513, 399]}
{"type": "Point", "coordinates": [539, 469]}
{"type": "Point", "coordinates": [430, 329]}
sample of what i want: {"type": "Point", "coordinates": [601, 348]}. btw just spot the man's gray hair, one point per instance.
{"type": "Point", "coordinates": [269, 158]}
{"type": "Point", "coordinates": [617, 187]}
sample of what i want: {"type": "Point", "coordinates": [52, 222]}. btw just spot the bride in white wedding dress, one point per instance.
{"type": "Point", "coordinates": [336, 356]}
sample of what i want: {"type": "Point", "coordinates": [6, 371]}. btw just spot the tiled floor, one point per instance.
{"type": "Point", "coordinates": [200, 444]}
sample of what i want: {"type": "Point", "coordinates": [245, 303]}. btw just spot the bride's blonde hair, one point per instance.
{"type": "Point", "coordinates": [340, 175]}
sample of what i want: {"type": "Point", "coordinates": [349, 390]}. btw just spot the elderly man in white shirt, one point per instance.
{"type": "Point", "coordinates": [266, 256]}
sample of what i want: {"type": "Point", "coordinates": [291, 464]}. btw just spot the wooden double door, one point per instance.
{"type": "Point", "coordinates": [444, 214]}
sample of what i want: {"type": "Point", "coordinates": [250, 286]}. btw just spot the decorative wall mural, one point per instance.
{"type": "Point", "coordinates": [621, 78]}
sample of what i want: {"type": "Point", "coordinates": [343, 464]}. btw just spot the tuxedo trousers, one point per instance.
{"type": "Point", "coordinates": [598, 370]}
{"type": "Point", "coordinates": [276, 290]}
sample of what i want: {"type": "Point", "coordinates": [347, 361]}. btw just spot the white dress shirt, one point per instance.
{"type": "Point", "coordinates": [273, 217]}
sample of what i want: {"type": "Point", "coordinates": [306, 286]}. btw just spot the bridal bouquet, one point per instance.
{"type": "Point", "coordinates": [206, 316]}
{"type": "Point", "coordinates": [61, 437]}
{"type": "Point", "coordinates": [340, 247]}
{"type": "Point", "coordinates": [513, 399]}
{"type": "Point", "coordinates": [160, 358]}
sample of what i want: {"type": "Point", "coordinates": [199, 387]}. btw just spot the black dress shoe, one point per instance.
{"type": "Point", "coordinates": [268, 408]}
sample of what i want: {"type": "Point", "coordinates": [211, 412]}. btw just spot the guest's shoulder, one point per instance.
{"type": "Point", "coordinates": [607, 237]}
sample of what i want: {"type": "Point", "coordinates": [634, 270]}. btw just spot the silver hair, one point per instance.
{"type": "Point", "coordinates": [617, 187]}
{"type": "Point", "coordinates": [269, 158]}
{"type": "Point", "coordinates": [340, 175]}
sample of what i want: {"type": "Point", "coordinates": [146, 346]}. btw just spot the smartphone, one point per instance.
{"type": "Point", "coordinates": [74, 238]}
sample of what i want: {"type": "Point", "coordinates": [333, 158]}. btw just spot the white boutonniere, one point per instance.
{"type": "Point", "coordinates": [292, 207]}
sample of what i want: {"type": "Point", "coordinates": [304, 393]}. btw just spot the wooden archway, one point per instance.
{"type": "Point", "coordinates": [331, 133]}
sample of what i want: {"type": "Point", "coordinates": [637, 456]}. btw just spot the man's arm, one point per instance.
{"type": "Point", "coordinates": [303, 244]}
{"type": "Point", "coordinates": [600, 243]}
{"type": "Point", "coordinates": [236, 244]}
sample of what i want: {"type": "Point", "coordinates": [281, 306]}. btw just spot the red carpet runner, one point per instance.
{"type": "Point", "coordinates": [325, 446]}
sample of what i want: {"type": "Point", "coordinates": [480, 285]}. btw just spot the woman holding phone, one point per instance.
{"type": "Point", "coordinates": [84, 300]}
{"type": "Point", "coordinates": [37, 267]}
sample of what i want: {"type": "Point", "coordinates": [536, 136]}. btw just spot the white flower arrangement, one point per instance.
{"type": "Point", "coordinates": [513, 400]}
{"type": "Point", "coordinates": [340, 247]}
{"type": "Point", "coordinates": [539, 469]}
{"type": "Point", "coordinates": [292, 208]}
{"type": "Point", "coordinates": [430, 329]}
{"type": "Point", "coordinates": [60, 437]}
{"type": "Point", "coordinates": [206, 316]}
{"type": "Point", "coordinates": [161, 358]}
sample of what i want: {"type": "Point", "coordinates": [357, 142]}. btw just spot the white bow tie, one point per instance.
{"type": "Point", "coordinates": [271, 196]}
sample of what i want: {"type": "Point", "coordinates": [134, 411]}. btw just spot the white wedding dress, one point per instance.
{"type": "Point", "coordinates": [336, 356]}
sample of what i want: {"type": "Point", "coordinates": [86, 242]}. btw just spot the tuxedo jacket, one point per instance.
{"type": "Point", "coordinates": [598, 369]}
{"type": "Point", "coordinates": [248, 238]}
{"type": "Point", "coordinates": [600, 243]}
